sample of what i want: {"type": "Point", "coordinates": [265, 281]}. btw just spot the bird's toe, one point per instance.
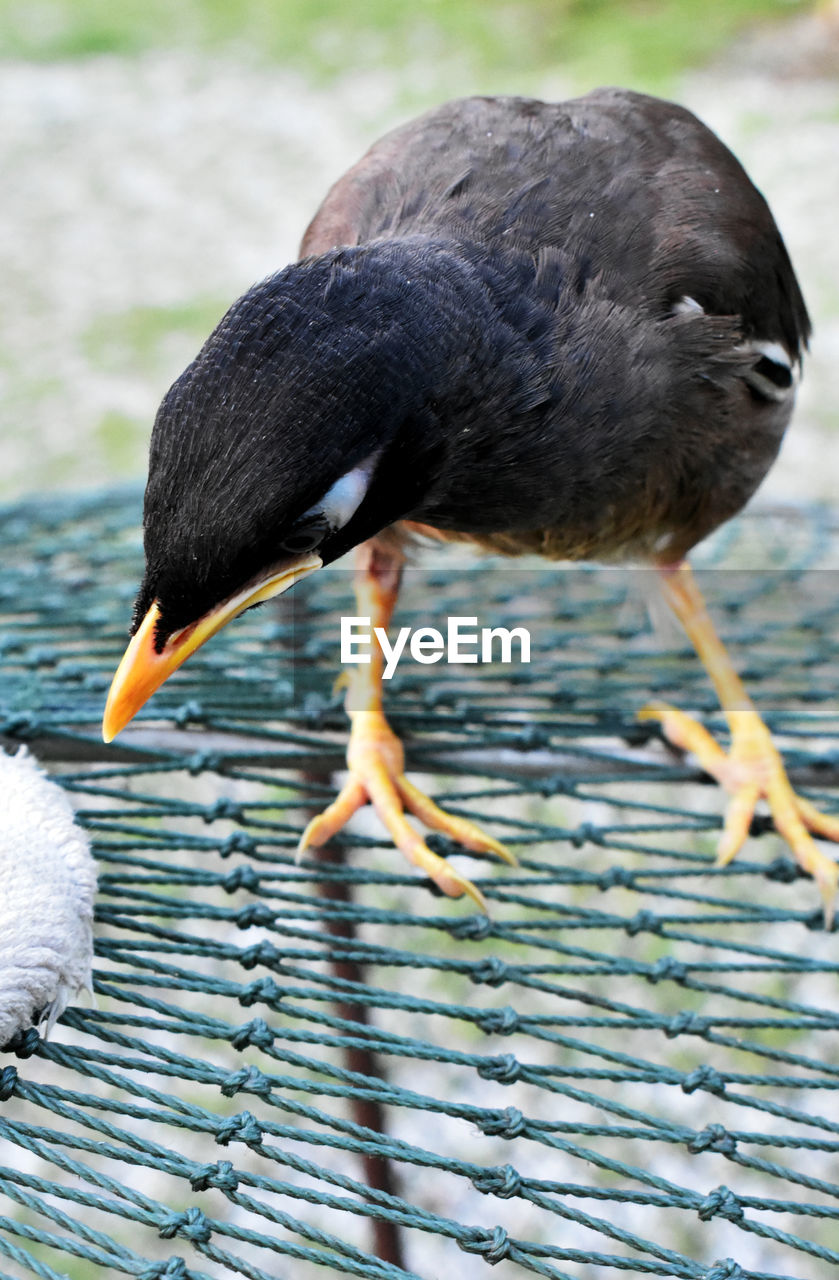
{"type": "Point", "coordinates": [752, 769]}
{"type": "Point", "coordinates": [462, 830]}
{"type": "Point", "coordinates": [375, 761]}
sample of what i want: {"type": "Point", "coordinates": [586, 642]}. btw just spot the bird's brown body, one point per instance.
{"type": "Point", "coordinates": [633, 206]}
{"type": "Point", "coordinates": [570, 328]}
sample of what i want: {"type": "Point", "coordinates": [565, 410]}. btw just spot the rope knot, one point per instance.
{"type": "Point", "coordinates": [224, 808]}
{"type": "Point", "coordinates": [191, 1223]}
{"type": "Point", "coordinates": [492, 971]}
{"type": "Point", "coordinates": [264, 989]}
{"type": "Point", "coordinates": [761, 824]}
{"type": "Point", "coordinates": [504, 1068]}
{"type": "Point", "coordinates": [240, 1128]}
{"type": "Point", "coordinates": [616, 878]}
{"type": "Point", "coordinates": [43, 655]}
{"type": "Point", "coordinates": [502, 1181]}
{"type": "Point", "coordinates": [493, 1245]}
{"type": "Point", "coordinates": [782, 869]}
{"type": "Point", "coordinates": [25, 1043]}
{"type": "Point", "coordinates": [509, 1124]}
{"type": "Point", "coordinates": [704, 1077]}
{"type": "Point", "coordinates": [255, 913]}
{"type": "Point", "coordinates": [236, 842]}
{"type": "Point", "coordinates": [721, 1203]}
{"type": "Point", "coordinates": [187, 711]}
{"type": "Point", "coordinates": [8, 1081]}
{"type": "Point", "coordinates": [220, 1175]}
{"type": "Point", "coordinates": [667, 967]}
{"type": "Point", "coordinates": [246, 1080]}
{"type": "Point", "coordinates": [256, 1032]}
{"type": "Point", "coordinates": [476, 928]}
{"type": "Point", "coordinates": [171, 1269]}
{"type": "Point", "coordinates": [643, 921]}
{"type": "Point", "coordinates": [686, 1021]}
{"type": "Point", "coordinates": [260, 953]}
{"type": "Point", "coordinates": [315, 706]}
{"type": "Point", "coordinates": [586, 833]}
{"type": "Point", "coordinates": [726, 1269]}
{"type": "Point", "coordinates": [20, 725]}
{"type": "Point", "coordinates": [241, 878]}
{"type": "Point", "coordinates": [556, 785]}
{"type": "Point", "coordinates": [501, 1022]}
{"type": "Point", "coordinates": [815, 922]}
{"type": "Point", "coordinates": [714, 1137]}
{"type": "Point", "coordinates": [531, 737]}
{"type": "Point", "coordinates": [203, 761]}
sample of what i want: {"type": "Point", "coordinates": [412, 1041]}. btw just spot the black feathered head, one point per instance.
{"type": "Point", "coordinates": [298, 431]}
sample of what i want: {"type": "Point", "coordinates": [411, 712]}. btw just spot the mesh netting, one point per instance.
{"type": "Point", "coordinates": [631, 1066]}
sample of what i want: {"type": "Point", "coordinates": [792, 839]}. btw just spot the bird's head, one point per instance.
{"type": "Point", "coordinates": [296, 433]}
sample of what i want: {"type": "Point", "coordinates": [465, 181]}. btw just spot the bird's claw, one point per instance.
{"type": "Point", "coordinates": [376, 763]}
{"type": "Point", "coordinates": [753, 769]}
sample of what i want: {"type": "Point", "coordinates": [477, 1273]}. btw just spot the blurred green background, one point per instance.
{"type": "Point", "coordinates": [158, 157]}
{"type": "Point", "coordinates": [507, 44]}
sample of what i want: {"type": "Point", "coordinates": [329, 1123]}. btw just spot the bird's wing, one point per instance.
{"type": "Point", "coordinates": [628, 190]}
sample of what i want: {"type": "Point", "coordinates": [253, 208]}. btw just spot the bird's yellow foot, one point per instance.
{"type": "Point", "coordinates": [376, 761]}
{"type": "Point", "coordinates": [753, 769]}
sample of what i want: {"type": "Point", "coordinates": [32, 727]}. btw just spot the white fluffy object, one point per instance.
{"type": "Point", "coordinates": [47, 885]}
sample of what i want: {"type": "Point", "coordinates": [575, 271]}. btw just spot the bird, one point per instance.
{"type": "Point", "coordinates": [570, 329]}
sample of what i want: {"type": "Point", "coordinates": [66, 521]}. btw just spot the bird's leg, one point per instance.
{"type": "Point", "coordinates": [375, 756]}
{"type": "Point", "coordinates": [752, 768]}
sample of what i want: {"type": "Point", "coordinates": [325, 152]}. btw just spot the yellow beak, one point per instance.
{"type": "Point", "coordinates": [143, 669]}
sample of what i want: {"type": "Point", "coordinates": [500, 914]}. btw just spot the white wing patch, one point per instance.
{"type": "Point", "coordinates": [687, 306]}
{"type": "Point", "coordinates": [773, 375]}
{"type": "Point", "coordinates": [342, 501]}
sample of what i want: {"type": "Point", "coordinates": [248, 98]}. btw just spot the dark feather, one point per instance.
{"type": "Point", "coordinates": [492, 302]}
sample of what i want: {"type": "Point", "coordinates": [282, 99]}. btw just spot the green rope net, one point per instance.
{"type": "Point", "coordinates": [629, 1067]}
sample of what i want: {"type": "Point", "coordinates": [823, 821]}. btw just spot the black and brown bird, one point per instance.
{"type": "Point", "coordinates": [570, 329]}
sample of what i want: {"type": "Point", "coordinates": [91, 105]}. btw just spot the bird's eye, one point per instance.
{"type": "Point", "coordinates": [304, 539]}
